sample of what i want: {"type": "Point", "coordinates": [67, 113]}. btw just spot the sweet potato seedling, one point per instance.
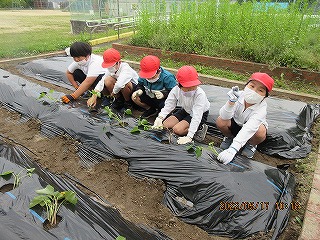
{"type": "Point", "coordinates": [48, 95]}
{"type": "Point", "coordinates": [18, 177]}
{"type": "Point", "coordinates": [142, 123]}
{"type": "Point", "coordinates": [116, 116]}
{"type": "Point", "coordinates": [52, 200]}
{"type": "Point", "coordinates": [93, 92]}
{"type": "Point", "coordinates": [198, 149]}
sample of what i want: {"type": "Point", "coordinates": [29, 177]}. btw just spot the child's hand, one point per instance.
{"type": "Point", "coordinates": [92, 101]}
{"type": "Point", "coordinates": [227, 155]}
{"type": "Point", "coordinates": [158, 94]}
{"type": "Point", "coordinates": [233, 94]}
{"type": "Point", "coordinates": [68, 98]}
{"type": "Point", "coordinates": [157, 123]}
{"type": "Point", "coordinates": [184, 140]}
{"type": "Point", "coordinates": [137, 93]}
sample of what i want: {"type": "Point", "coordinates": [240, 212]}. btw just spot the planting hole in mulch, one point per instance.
{"type": "Point", "coordinates": [6, 188]}
{"type": "Point", "coordinates": [47, 226]}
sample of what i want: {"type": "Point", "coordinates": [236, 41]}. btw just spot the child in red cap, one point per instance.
{"type": "Point", "coordinates": [242, 119]}
{"type": "Point", "coordinates": [154, 85]}
{"type": "Point", "coordinates": [193, 108]}
{"type": "Point", "coordinates": [119, 81]}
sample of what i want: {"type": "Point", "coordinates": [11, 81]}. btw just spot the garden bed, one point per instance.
{"type": "Point", "coordinates": [138, 200]}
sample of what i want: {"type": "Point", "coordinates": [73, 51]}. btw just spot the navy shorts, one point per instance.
{"type": "Point", "coordinates": [79, 77]}
{"type": "Point", "coordinates": [181, 114]}
{"type": "Point", "coordinates": [152, 102]}
{"type": "Point", "coordinates": [234, 128]}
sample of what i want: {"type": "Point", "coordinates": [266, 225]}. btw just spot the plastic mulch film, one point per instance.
{"type": "Point", "coordinates": [88, 219]}
{"type": "Point", "coordinates": [288, 136]}
{"type": "Point", "coordinates": [234, 200]}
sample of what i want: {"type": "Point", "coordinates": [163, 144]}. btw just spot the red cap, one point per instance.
{"type": "Point", "coordinates": [187, 76]}
{"type": "Point", "coordinates": [149, 66]}
{"type": "Point", "coordinates": [110, 57]}
{"type": "Point", "coordinates": [264, 78]}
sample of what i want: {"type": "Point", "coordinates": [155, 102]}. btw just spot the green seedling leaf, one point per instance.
{"type": "Point", "coordinates": [298, 220]}
{"type": "Point", "coordinates": [190, 148]}
{"type": "Point", "coordinates": [135, 130]}
{"type": "Point", "coordinates": [198, 151]}
{"type": "Point", "coordinates": [30, 171]}
{"type": "Point", "coordinates": [143, 122]}
{"type": "Point", "coordinates": [93, 92]}
{"type": "Point", "coordinates": [212, 148]}
{"type": "Point", "coordinates": [128, 112]}
{"type": "Point", "coordinates": [48, 190]}
{"type": "Point", "coordinates": [7, 173]}
{"type": "Point", "coordinates": [146, 128]}
{"type": "Point", "coordinates": [40, 199]}
{"type": "Point", "coordinates": [42, 95]}
{"type": "Point", "coordinates": [120, 238]}
{"type": "Point", "coordinates": [71, 197]}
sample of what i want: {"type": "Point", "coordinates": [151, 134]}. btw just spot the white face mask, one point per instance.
{"type": "Point", "coordinates": [112, 70]}
{"type": "Point", "coordinates": [82, 62]}
{"type": "Point", "coordinates": [189, 93]}
{"type": "Point", "coordinates": [251, 96]}
{"type": "Point", "coordinates": [153, 80]}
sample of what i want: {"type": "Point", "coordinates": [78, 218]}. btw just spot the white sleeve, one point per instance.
{"type": "Point", "coordinates": [72, 67]}
{"type": "Point", "coordinates": [99, 87]}
{"type": "Point", "coordinates": [122, 80]}
{"type": "Point", "coordinates": [227, 111]}
{"type": "Point", "coordinates": [170, 103]}
{"type": "Point", "coordinates": [197, 113]}
{"type": "Point", "coordinates": [247, 131]}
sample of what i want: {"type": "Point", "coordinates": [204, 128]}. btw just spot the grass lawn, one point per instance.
{"type": "Point", "coordinates": [31, 32]}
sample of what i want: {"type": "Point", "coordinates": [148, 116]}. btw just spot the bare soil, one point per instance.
{"type": "Point", "coordinates": [138, 200]}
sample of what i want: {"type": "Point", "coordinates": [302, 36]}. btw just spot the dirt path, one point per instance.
{"type": "Point", "coordinates": [139, 201]}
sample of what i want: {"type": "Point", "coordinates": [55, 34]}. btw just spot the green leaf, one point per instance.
{"type": "Point", "coordinates": [30, 171]}
{"type": "Point", "coordinates": [39, 199]}
{"type": "Point", "coordinates": [48, 190]}
{"type": "Point", "coordinates": [189, 148]}
{"type": "Point", "coordinates": [146, 128]}
{"type": "Point", "coordinates": [120, 238]}
{"type": "Point", "coordinates": [299, 220]}
{"type": "Point", "coordinates": [135, 130]}
{"type": "Point", "coordinates": [128, 112]}
{"type": "Point", "coordinates": [71, 197]}
{"type": "Point", "coordinates": [43, 94]}
{"type": "Point", "coordinates": [144, 122]}
{"type": "Point", "coordinates": [7, 173]}
{"type": "Point", "coordinates": [198, 151]}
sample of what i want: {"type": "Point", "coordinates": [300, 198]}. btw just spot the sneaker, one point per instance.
{"type": "Point", "coordinates": [226, 142]}
{"type": "Point", "coordinates": [149, 113]}
{"type": "Point", "coordinates": [249, 150]}
{"type": "Point", "coordinates": [200, 135]}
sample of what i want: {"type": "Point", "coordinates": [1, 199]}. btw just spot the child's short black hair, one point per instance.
{"type": "Point", "coordinates": [80, 49]}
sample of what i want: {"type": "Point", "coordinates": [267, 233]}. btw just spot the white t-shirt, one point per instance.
{"type": "Point", "coordinates": [92, 68]}
{"type": "Point", "coordinates": [195, 106]}
{"type": "Point", "coordinates": [249, 119]}
{"type": "Point", "coordinates": [124, 75]}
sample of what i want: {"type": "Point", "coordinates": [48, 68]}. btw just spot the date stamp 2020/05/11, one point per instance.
{"type": "Point", "coordinates": [244, 206]}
